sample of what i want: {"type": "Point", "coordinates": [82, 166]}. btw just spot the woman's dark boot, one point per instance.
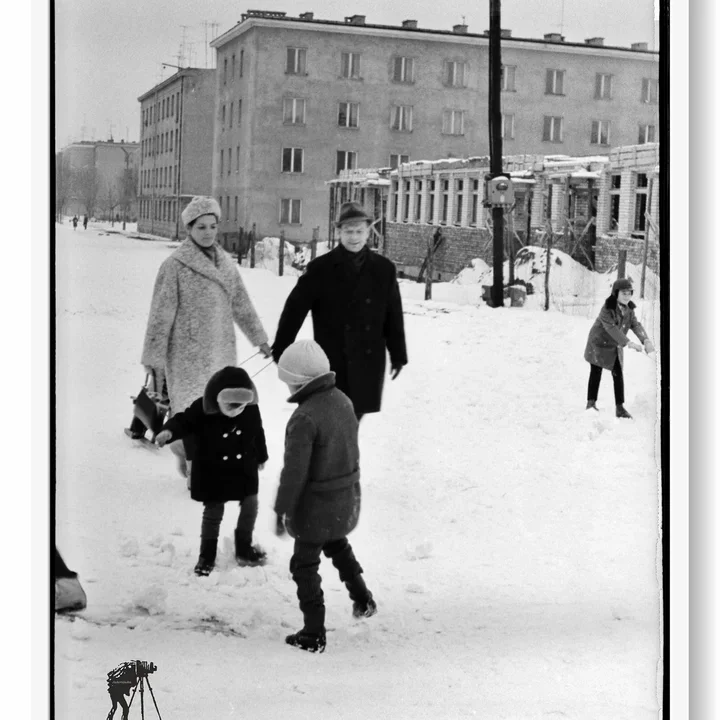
{"type": "Point", "coordinates": [591, 404]}
{"type": "Point", "coordinates": [621, 412]}
{"type": "Point", "coordinates": [363, 603]}
{"type": "Point", "coordinates": [208, 553]}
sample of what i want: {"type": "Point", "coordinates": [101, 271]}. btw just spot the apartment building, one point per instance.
{"type": "Point", "coordinates": [301, 99]}
{"type": "Point", "coordinates": [176, 141]}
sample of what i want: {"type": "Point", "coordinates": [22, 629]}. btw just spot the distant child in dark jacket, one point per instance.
{"type": "Point", "coordinates": [318, 500]}
{"type": "Point", "coordinates": [230, 448]}
{"type": "Point", "coordinates": [606, 340]}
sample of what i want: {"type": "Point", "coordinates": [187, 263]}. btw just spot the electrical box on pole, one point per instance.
{"type": "Point", "coordinates": [499, 192]}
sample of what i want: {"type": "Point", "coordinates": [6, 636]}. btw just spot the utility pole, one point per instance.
{"type": "Point", "coordinates": [496, 160]}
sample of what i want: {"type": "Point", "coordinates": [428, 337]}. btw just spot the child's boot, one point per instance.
{"type": "Point", "coordinates": [363, 603]}
{"type": "Point", "coordinates": [591, 404]}
{"type": "Point", "coordinates": [310, 641]}
{"type": "Point", "coordinates": [208, 553]}
{"type": "Point", "coordinates": [246, 553]}
{"type": "Point", "coordinates": [621, 412]}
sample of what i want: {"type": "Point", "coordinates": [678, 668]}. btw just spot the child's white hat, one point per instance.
{"type": "Point", "coordinates": [302, 362]}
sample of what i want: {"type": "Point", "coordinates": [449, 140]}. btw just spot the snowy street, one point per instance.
{"type": "Point", "coordinates": [510, 537]}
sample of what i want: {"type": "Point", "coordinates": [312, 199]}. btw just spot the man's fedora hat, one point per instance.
{"type": "Point", "coordinates": [352, 212]}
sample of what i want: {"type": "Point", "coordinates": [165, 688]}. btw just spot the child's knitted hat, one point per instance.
{"type": "Point", "coordinates": [302, 362]}
{"type": "Point", "coordinates": [198, 206]}
{"type": "Point", "coordinates": [235, 385]}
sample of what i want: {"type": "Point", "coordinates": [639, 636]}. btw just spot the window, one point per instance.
{"type": "Point", "coordinates": [294, 111]}
{"type": "Point", "coordinates": [236, 208]}
{"type": "Point", "coordinates": [475, 202]}
{"type": "Point", "coordinates": [507, 126]}
{"type": "Point", "coordinates": [237, 159]}
{"type": "Point", "coordinates": [615, 181]}
{"type": "Point", "coordinates": [292, 160]}
{"type": "Point", "coordinates": [225, 64]}
{"type": "Point", "coordinates": [230, 122]}
{"type": "Point", "coordinates": [242, 62]}
{"type": "Point", "coordinates": [232, 69]}
{"type": "Point", "coordinates": [418, 200]}
{"type": "Point", "coordinates": [454, 73]}
{"type": "Point", "coordinates": [222, 162]}
{"type": "Point", "coordinates": [348, 114]}
{"type": "Point", "coordinates": [552, 129]}
{"type": "Point", "coordinates": [239, 112]}
{"type": "Point", "coordinates": [345, 160]}
{"type": "Point", "coordinates": [600, 133]}
{"type": "Point", "coordinates": [406, 200]}
{"type": "Point", "coordinates": [222, 123]}
{"type": "Point", "coordinates": [445, 201]}
{"type": "Point", "coordinates": [453, 122]}
{"type": "Point", "coordinates": [554, 82]}
{"type": "Point", "coordinates": [507, 78]}
{"type": "Point", "coordinates": [646, 134]}
{"type": "Point", "coordinates": [290, 211]}
{"type": "Point", "coordinates": [295, 61]}
{"type": "Point", "coordinates": [402, 69]}
{"type": "Point", "coordinates": [401, 117]}
{"type": "Point", "coordinates": [641, 198]}
{"type": "Point", "coordinates": [603, 86]}
{"type": "Point", "coordinates": [229, 161]}
{"type": "Point", "coordinates": [396, 160]}
{"type": "Point", "coordinates": [430, 202]}
{"type": "Point", "coordinates": [350, 65]}
{"type": "Point", "coordinates": [649, 91]}
{"type": "Point", "coordinates": [459, 185]}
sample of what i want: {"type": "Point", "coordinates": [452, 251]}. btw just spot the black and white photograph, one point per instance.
{"type": "Point", "coordinates": [359, 360]}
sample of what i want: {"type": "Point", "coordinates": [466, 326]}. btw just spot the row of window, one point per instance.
{"type": "Point", "coordinates": [162, 109]}
{"type": "Point", "coordinates": [166, 177]}
{"type": "Point", "coordinates": [159, 144]}
{"type": "Point", "coordinates": [161, 210]}
{"type": "Point", "coordinates": [236, 63]}
{"type": "Point", "coordinates": [455, 74]}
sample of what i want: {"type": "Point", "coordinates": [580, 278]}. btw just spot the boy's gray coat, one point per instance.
{"type": "Point", "coordinates": [190, 332]}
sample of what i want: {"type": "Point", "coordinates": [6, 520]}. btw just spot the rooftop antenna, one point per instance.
{"type": "Point", "coordinates": [562, 16]}
{"type": "Point", "coordinates": [181, 59]}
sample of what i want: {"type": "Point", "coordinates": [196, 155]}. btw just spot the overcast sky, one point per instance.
{"type": "Point", "coordinates": [109, 53]}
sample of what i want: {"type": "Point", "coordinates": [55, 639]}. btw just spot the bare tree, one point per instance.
{"type": "Point", "coordinates": [128, 190]}
{"type": "Point", "coordinates": [63, 184]}
{"type": "Point", "coordinates": [112, 195]}
{"type": "Point", "coordinates": [87, 187]}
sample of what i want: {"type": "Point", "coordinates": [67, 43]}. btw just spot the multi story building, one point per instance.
{"type": "Point", "coordinates": [176, 139]}
{"type": "Point", "coordinates": [97, 178]}
{"type": "Point", "coordinates": [301, 99]}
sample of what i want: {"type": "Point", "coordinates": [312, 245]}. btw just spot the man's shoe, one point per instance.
{"type": "Point", "coordinates": [591, 404]}
{"type": "Point", "coordinates": [621, 412]}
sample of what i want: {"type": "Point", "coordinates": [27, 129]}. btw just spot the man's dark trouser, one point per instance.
{"type": "Point", "coordinates": [117, 696]}
{"type": "Point", "coordinates": [304, 566]}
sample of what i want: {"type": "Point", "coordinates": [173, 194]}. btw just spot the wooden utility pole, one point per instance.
{"type": "Point", "coordinates": [281, 253]}
{"type": "Point", "coordinates": [496, 160]}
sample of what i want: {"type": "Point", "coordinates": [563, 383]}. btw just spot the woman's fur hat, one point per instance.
{"type": "Point", "coordinates": [198, 206]}
{"type": "Point", "coordinates": [229, 378]}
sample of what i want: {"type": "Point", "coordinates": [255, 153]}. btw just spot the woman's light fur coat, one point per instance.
{"type": "Point", "coordinates": [190, 333]}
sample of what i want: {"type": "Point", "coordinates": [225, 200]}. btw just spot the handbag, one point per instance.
{"type": "Point", "coordinates": [149, 410]}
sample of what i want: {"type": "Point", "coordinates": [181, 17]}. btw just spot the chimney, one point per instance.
{"type": "Point", "coordinates": [307, 16]}
{"type": "Point", "coordinates": [505, 33]}
{"type": "Point", "coordinates": [553, 37]}
{"type": "Point", "coordinates": [639, 46]}
{"type": "Point", "coordinates": [595, 41]}
{"type": "Point", "coordinates": [460, 29]}
{"type": "Point", "coordinates": [355, 19]}
{"type": "Point", "coordinates": [410, 24]}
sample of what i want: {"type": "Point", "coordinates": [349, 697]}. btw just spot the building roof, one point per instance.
{"type": "Point", "coordinates": [357, 23]}
{"type": "Point", "coordinates": [173, 79]}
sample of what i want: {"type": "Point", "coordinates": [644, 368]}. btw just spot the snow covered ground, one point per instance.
{"type": "Point", "coordinates": [510, 537]}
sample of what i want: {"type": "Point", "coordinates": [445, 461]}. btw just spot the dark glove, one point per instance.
{"type": "Point", "coordinates": [280, 525]}
{"type": "Point", "coordinates": [395, 371]}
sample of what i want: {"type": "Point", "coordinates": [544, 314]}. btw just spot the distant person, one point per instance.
{"type": "Point", "coordinates": [318, 499]}
{"type": "Point", "coordinates": [229, 450]}
{"type": "Point", "coordinates": [85, 222]}
{"type": "Point", "coordinates": [69, 593]}
{"type": "Point", "coordinates": [607, 338]}
{"type": "Point", "coordinates": [198, 297]}
{"type": "Point", "coordinates": [75, 222]}
{"type": "Point", "coordinates": [353, 296]}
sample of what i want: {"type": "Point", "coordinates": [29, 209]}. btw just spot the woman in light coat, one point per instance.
{"type": "Point", "coordinates": [198, 297]}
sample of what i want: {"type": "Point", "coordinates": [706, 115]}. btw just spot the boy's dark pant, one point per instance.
{"type": "Point", "coordinates": [213, 515]}
{"type": "Point", "coordinates": [618, 382]}
{"type": "Point", "coordinates": [304, 566]}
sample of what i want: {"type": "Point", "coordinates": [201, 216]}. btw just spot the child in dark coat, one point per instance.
{"type": "Point", "coordinates": [318, 500]}
{"type": "Point", "coordinates": [229, 449]}
{"type": "Point", "coordinates": [606, 340]}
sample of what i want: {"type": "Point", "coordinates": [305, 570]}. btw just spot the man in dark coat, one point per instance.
{"type": "Point", "coordinates": [354, 298]}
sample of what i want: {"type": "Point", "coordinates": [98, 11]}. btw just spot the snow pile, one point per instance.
{"type": "Point", "coordinates": [267, 252]}
{"type": "Point", "coordinates": [303, 254]}
{"type": "Point", "coordinates": [478, 268]}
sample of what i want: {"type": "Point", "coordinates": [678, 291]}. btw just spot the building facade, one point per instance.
{"type": "Point", "coordinates": [98, 178]}
{"type": "Point", "coordinates": [299, 100]}
{"type": "Point", "coordinates": [176, 148]}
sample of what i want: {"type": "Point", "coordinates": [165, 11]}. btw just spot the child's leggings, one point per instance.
{"type": "Point", "coordinates": [213, 515]}
{"type": "Point", "coordinates": [618, 382]}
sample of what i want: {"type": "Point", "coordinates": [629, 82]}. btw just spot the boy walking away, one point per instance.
{"type": "Point", "coordinates": [230, 449]}
{"type": "Point", "coordinates": [607, 338]}
{"type": "Point", "coordinates": [318, 500]}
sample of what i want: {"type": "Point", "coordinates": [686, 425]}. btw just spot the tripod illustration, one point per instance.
{"type": "Point", "coordinates": [133, 674]}
{"type": "Point", "coordinates": [141, 685]}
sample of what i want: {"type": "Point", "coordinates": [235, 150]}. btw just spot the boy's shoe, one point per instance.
{"type": "Point", "coordinates": [69, 595]}
{"type": "Point", "coordinates": [591, 404]}
{"type": "Point", "coordinates": [206, 561]}
{"type": "Point", "coordinates": [364, 608]}
{"type": "Point", "coordinates": [312, 642]}
{"type": "Point", "coordinates": [248, 555]}
{"type": "Point", "coordinates": [621, 412]}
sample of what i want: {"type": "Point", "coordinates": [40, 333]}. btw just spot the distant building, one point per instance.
{"type": "Point", "coordinates": [176, 138]}
{"type": "Point", "coordinates": [99, 178]}
{"type": "Point", "coordinates": [301, 99]}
